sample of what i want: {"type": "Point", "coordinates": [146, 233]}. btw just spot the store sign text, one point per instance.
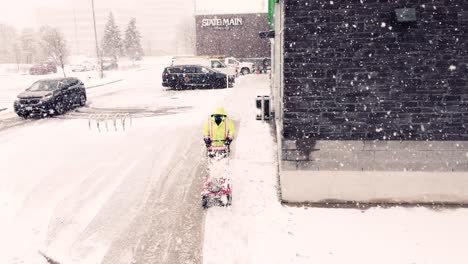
{"type": "Point", "coordinates": [221, 22]}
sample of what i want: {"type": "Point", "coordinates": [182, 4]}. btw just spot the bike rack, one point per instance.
{"type": "Point", "coordinates": [124, 120]}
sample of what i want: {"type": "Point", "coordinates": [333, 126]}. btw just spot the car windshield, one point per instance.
{"type": "Point", "coordinates": [222, 64]}
{"type": "Point", "coordinates": [47, 85]}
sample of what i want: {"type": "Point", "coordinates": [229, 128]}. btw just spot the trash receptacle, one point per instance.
{"type": "Point", "coordinates": [262, 103]}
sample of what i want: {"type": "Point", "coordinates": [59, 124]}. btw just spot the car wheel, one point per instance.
{"type": "Point", "coordinates": [82, 100]}
{"type": "Point", "coordinates": [205, 200]}
{"type": "Point", "coordinates": [245, 71]}
{"type": "Point", "coordinates": [59, 108]}
{"type": "Point", "coordinates": [23, 115]}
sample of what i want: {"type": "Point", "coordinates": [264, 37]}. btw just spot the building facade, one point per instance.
{"type": "Point", "coordinates": [232, 35]}
{"type": "Point", "coordinates": [368, 91]}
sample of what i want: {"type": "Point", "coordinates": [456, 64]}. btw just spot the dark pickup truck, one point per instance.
{"type": "Point", "coordinates": [194, 76]}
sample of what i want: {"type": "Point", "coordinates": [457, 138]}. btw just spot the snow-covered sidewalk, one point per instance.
{"type": "Point", "coordinates": [259, 229]}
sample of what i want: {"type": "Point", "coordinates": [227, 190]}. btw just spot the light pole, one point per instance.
{"type": "Point", "coordinates": [98, 54]}
{"type": "Point", "coordinates": [76, 32]}
{"type": "Point", "coordinates": [194, 32]}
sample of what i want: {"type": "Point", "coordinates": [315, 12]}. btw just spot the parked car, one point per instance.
{"type": "Point", "coordinates": [185, 76]}
{"type": "Point", "coordinates": [82, 67]}
{"type": "Point", "coordinates": [206, 61]}
{"type": "Point", "coordinates": [50, 96]}
{"type": "Point", "coordinates": [43, 68]}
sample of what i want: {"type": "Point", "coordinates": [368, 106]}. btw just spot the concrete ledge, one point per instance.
{"type": "Point", "coordinates": [377, 155]}
{"type": "Point", "coordinates": [374, 186]}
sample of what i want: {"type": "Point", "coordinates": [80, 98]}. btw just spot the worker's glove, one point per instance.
{"type": "Point", "coordinates": [227, 141]}
{"type": "Point", "coordinates": [207, 141]}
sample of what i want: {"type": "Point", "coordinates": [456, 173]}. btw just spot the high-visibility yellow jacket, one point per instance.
{"type": "Point", "coordinates": [218, 133]}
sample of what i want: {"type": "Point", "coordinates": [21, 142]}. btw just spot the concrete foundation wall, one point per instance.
{"type": "Point", "coordinates": [351, 155]}
{"type": "Point", "coordinates": [374, 186]}
{"type": "Point", "coordinates": [374, 171]}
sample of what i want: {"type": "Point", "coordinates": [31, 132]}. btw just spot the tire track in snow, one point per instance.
{"type": "Point", "coordinates": [168, 229]}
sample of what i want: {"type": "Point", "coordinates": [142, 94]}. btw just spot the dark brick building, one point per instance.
{"type": "Point", "coordinates": [232, 35]}
{"type": "Point", "coordinates": [361, 86]}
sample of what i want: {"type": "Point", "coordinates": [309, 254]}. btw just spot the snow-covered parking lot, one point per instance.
{"type": "Point", "coordinates": [81, 195]}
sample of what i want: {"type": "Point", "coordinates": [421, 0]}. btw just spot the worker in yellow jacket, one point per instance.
{"type": "Point", "coordinates": [218, 130]}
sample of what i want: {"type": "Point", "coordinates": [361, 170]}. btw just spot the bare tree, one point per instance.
{"type": "Point", "coordinates": [54, 45]}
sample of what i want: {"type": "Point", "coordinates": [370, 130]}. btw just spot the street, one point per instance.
{"type": "Point", "coordinates": [116, 193]}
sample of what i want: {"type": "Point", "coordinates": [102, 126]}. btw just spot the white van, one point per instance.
{"type": "Point", "coordinates": [212, 63]}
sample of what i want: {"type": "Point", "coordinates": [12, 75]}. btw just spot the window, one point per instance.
{"type": "Point", "coordinates": [45, 85]}
{"type": "Point", "coordinates": [73, 82]}
{"type": "Point", "coordinates": [65, 83]}
{"type": "Point", "coordinates": [216, 64]}
{"type": "Point", "coordinates": [190, 69]}
{"type": "Point", "coordinates": [174, 70]}
{"type": "Point", "coordinates": [198, 70]}
{"type": "Point", "coordinates": [205, 70]}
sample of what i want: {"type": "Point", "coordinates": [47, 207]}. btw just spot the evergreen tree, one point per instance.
{"type": "Point", "coordinates": [112, 41]}
{"type": "Point", "coordinates": [132, 42]}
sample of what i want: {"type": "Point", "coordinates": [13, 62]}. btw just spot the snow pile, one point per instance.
{"type": "Point", "coordinates": [258, 229]}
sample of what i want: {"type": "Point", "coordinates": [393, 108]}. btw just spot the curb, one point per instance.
{"type": "Point", "coordinates": [99, 85]}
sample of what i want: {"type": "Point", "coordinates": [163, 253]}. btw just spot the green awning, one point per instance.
{"type": "Point", "coordinates": [271, 10]}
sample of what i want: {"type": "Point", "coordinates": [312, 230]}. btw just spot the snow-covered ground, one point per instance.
{"type": "Point", "coordinates": [258, 229]}
{"type": "Point", "coordinates": [84, 196]}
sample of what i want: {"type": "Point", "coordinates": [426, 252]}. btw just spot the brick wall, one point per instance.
{"type": "Point", "coordinates": [352, 72]}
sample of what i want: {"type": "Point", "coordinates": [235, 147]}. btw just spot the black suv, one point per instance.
{"type": "Point", "coordinates": [186, 76]}
{"type": "Point", "coordinates": [50, 96]}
